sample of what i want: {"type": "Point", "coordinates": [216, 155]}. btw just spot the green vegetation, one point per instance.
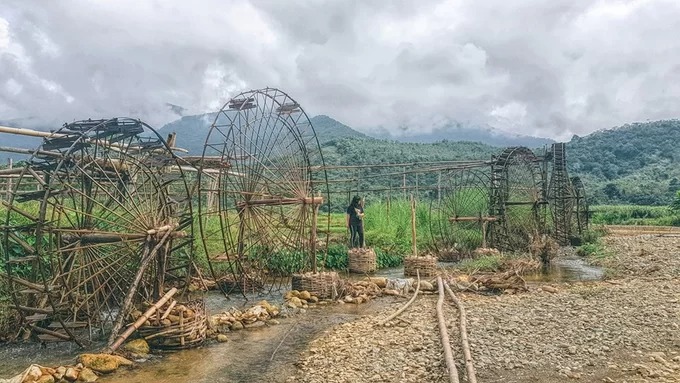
{"type": "Point", "coordinates": [486, 263]}
{"type": "Point", "coordinates": [634, 215]}
{"type": "Point", "coordinates": [633, 164]}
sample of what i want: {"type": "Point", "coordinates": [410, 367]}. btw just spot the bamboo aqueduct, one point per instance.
{"type": "Point", "coordinates": [108, 213]}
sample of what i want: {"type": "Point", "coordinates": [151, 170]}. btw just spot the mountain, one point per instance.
{"type": "Point", "coordinates": [632, 164]}
{"type": "Point", "coordinates": [193, 130]}
{"type": "Point", "coordinates": [456, 131]}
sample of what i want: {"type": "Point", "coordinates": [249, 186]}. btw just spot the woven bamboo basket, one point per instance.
{"type": "Point", "coordinates": [323, 285]}
{"type": "Point", "coordinates": [243, 284]}
{"type": "Point", "coordinates": [427, 266]}
{"type": "Point", "coordinates": [176, 326]}
{"type": "Point", "coordinates": [361, 261]}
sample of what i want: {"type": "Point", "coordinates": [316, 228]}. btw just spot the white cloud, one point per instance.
{"type": "Point", "coordinates": [551, 68]}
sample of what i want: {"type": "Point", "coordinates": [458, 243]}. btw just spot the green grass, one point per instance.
{"type": "Point", "coordinates": [486, 263]}
{"type": "Point", "coordinates": [634, 215]}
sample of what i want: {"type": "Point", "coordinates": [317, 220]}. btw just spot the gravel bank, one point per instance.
{"type": "Point", "coordinates": [624, 330]}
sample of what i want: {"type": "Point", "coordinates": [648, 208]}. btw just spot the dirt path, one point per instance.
{"type": "Point", "coordinates": [624, 330]}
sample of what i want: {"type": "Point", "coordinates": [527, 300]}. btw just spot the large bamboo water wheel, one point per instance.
{"type": "Point", "coordinates": [516, 199]}
{"type": "Point", "coordinates": [460, 218]}
{"type": "Point", "coordinates": [263, 183]}
{"type": "Point", "coordinates": [109, 226]}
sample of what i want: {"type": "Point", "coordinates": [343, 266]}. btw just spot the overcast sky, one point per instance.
{"type": "Point", "coordinates": [550, 68]}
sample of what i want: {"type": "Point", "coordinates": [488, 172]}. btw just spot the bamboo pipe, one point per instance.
{"type": "Point", "coordinates": [469, 366]}
{"type": "Point", "coordinates": [444, 334]}
{"type": "Point", "coordinates": [404, 307]}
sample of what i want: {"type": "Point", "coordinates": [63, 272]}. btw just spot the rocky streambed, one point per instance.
{"type": "Point", "coordinates": [620, 330]}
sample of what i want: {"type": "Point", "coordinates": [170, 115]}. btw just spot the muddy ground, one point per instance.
{"type": "Point", "coordinates": [621, 329]}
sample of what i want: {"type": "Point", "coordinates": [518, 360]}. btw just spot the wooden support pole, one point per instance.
{"type": "Point", "coordinates": [444, 335]}
{"type": "Point", "coordinates": [140, 321]}
{"type": "Point", "coordinates": [413, 226]}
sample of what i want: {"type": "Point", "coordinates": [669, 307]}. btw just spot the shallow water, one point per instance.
{"type": "Point", "coordinates": [247, 356]}
{"type": "Point", "coordinates": [567, 269]}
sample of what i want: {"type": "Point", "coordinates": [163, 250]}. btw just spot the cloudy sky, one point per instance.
{"type": "Point", "coordinates": [551, 68]}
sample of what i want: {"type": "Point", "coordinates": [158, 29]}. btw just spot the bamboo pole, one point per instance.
{"type": "Point", "coordinates": [469, 366]}
{"type": "Point", "coordinates": [413, 226]}
{"type": "Point", "coordinates": [444, 335]}
{"type": "Point", "coordinates": [10, 165]}
{"type": "Point", "coordinates": [404, 307]}
{"type": "Point", "coordinates": [146, 259]}
{"type": "Point", "coordinates": [140, 321]}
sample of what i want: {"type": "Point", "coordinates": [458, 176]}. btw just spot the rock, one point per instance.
{"type": "Point", "coordinates": [271, 309]}
{"type": "Point", "coordinates": [137, 347]}
{"type": "Point", "coordinates": [549, 289]}
{"type": "Point", "coordinates": [391, 292]}
{"type": "Point", "coordinates": [305, 295]}
{"type": "Point", "coordinates": [222, 338]}
{"type": "Point", "coordinates": [236, 326]}
{"type": "Point", "coordinates": [426, 286]}
{"type": "Point", "coordinates": [295, 293]}
{"type": "Point", "coordinates": [103, 363]}
{"type": "Point", "coordinates": [32, 374]}
{"type": "Point", "coordinates": [87, 375]}
{"type": "Point", "coordinates": [273, 322]}
{"type": "Point", "coordinates": [313, 299]}
{"type": "Point", "coordinates": [47, 370]}
{"type": "Point", "coordinates": [59, 372]}
{"type": "Point", "coordinates": [294, 302]}
{"type": "Point", "coordinates": [47, 378]}
{"type": "Point", "coordinates": [71, 374]}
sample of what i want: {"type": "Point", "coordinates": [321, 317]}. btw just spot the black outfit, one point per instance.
{"type": "Point", "coordinates": [356, 226]}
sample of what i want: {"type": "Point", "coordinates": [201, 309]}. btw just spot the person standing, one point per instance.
{"type": "Point", "coordinates": [355, 222]}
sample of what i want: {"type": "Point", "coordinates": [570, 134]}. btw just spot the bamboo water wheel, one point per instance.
{"type": "Point", "coordinates": [263, 181]}
{"type": "Point", "coordinates": [460, 218]}
{"type": "Point", "coordinates": [581, 216]}
{"type": "Point", "coordinates": [516, 199]}
{"type": "Point", "coordinates": [110, 226]}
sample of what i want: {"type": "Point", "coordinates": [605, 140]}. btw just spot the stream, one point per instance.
{"type": "Point", "coordinates": [247, 356]}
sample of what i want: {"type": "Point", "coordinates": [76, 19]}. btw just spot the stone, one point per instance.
{"type": "Point", "coordinates": [103, 363]}
{"type": "Point", "coordinates": [59, 372]}
{"type": "Point", "coordinates": [273, 322]}
{"type": "Point", "coordinates": [295, 302]}
{"type": "Point", "coordinates": [32, 374]}
{"type": "Point", "coordinates": [71, 374]}
{"type": "Point", "coordinates": [313, 299]}
{"type": "Point", "coordinates": [426, 286]}
{"type": "Point", "coordinates": [222, 338]}
{"type": "Point", "coordinates": [47, 378]}
{"type": "Point", "coordinates": [87, 375]}
{"type": "Point", "coordinates": [304, 294]}
{"type": "Point", "coordinates": [271, 309]}
{"type": "Point", "coordinates": [391, 292]}
{"type": "Point", "coordinates": [549, 289]}
{"type": "Point", "coordinates": [236, 326]}
{"type": "Point", "coordinates": [137, 347]}
{"type": "Point", "coordinates": [379, 281]}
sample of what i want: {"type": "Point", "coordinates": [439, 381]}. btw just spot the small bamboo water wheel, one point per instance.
{"type": "Point", "coordinates": [262, 185]}
{"type": "Point", "coordinates": [517, 199]}
{"type": "Point", "coordinates": [109, 226]}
